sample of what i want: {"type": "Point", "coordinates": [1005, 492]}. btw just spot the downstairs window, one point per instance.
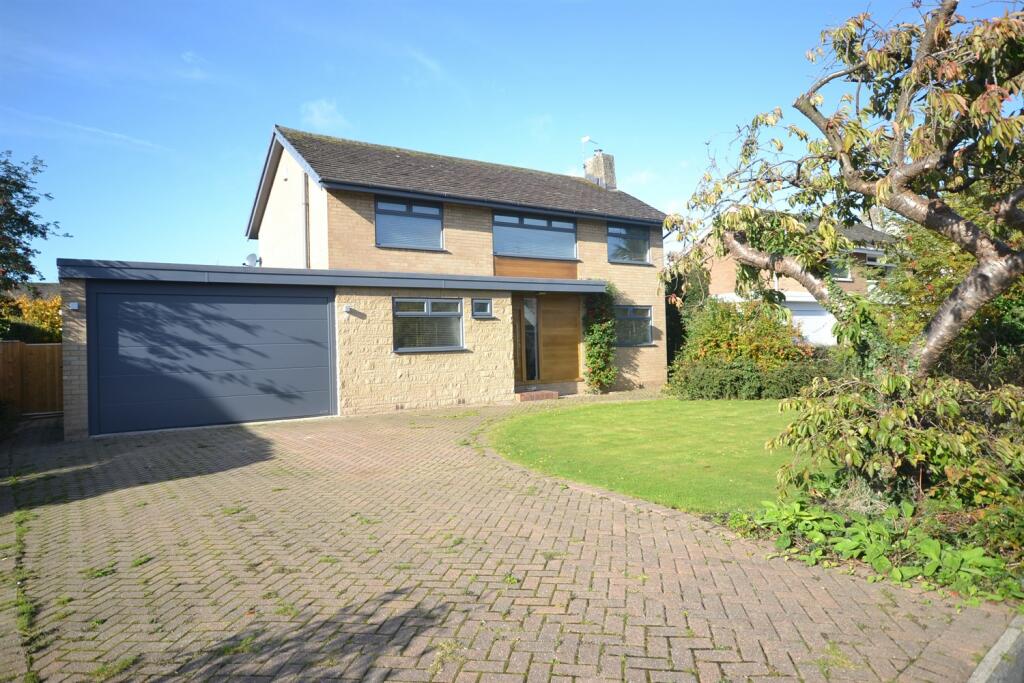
{"type": "Point", "coordinates": [427, 324]}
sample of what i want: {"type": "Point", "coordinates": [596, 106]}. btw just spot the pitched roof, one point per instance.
{"type": "Point", "coordinates": [859, 233]}
{"type": "Point", "coordinates": [348, 162]}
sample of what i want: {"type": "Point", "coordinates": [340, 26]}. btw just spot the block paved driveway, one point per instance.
{"type": "Point", "coordinates": [392, 547]}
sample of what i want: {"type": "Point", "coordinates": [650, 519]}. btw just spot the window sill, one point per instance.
{"type": "Point", "coordinates": [484, 317]}
{"type": "Point", "coordinates": [635, 346]}
{"type": "Point", "coordinates": [539, 258]}
{"type": "Point", "coordinates": [631, 263]}
{"type": "Point", "coordinates": [396, 247]}
{"type": "Point", "coordinates": [435, 349]}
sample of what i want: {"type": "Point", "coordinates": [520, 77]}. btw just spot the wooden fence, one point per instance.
{"type": "Point", "coordinates": [31, 377]}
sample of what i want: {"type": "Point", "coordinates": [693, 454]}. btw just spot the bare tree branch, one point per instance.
{"type": "Point", "coordinates": [736, 243]}
{"type": "Point", "coordinates": [910, 85]}
{"type": "Point", "coordinates": [853, 179]}
{"type": "Point", "coordinates": [938, 216]}
{"type": "Point", "coordinates": [1007, 211]}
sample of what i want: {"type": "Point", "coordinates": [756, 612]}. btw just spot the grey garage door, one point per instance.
{"type": "Point", "coordinates": [172, 355]}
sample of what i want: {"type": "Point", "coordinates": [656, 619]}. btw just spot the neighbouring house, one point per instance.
{"type": "Point", "coordinates": [813, 321]}
{"type": "Point", "coordinates": [389, 279]}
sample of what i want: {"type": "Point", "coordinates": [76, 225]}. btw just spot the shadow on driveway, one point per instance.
{"type": "Point", "coordinates": [39, 468]}
{"type": "Point", "coordinates": [370, 641]}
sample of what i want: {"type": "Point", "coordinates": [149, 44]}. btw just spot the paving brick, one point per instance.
{"type": "Point", "coordinates": [378, 548]}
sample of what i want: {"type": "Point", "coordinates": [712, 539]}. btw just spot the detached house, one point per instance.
{"type": "Point", "coordinates": [813, 321]}
{"type": "Point", "coordinates": [389, 279]}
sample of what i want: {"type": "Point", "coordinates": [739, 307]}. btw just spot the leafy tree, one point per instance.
{"type": "Point", "coordinates": [31, 319]}
{"type": "Point", "coordinates": [923, 269]}
{"type": "Point", "coordinates": [924, 111]}
{"type": "Point", "coordinates": [19, 222]}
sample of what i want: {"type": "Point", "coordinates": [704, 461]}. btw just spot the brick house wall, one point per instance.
{"type": "Point", "coordinates": [76, 369]}
{"type": "Point", "coordinates": [636, 284]}
{"type": "Point", "coordinates": [469, 251]}
{"type": "Point", "coordinates": [351, 239]}
{"type": "Point", "coordinates": [372, 378]}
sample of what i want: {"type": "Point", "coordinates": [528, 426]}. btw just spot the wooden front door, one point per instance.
{"type": "Point", "coordinates": [546, 342]}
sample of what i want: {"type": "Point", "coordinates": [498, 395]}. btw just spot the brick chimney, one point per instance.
{"type": "Point", "coordinates": [600, 169]}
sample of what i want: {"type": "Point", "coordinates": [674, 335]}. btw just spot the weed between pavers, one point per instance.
{"type": "Point", "coordinates": [141, 560]}
{"type": "Point", "coordinates": [363, 519]}
{"type": "Point", "coordinates": [245, 646]}
{"type": "Point", "coordinates": [100, 572]}
{"type": "Point", "coordinates": [445, 651]}
{"type": "Point", "coordinates": [834, 658]}
{"type": "Point", "coordinates": [108, 671]}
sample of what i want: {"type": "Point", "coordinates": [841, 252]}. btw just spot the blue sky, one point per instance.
{"type": "Point", "coordinates": [154, 117]}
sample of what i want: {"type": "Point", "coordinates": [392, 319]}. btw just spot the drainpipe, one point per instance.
{"type": "Point", "coordinates": [305, 210]}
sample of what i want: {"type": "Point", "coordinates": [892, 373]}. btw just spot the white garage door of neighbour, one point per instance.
{"type": "Point", "coordinates": [814, 323]}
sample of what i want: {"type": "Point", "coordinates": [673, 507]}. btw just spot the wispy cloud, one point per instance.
{"type": "Point", "coordinates": [193, 67]}
{"type": "Point", "coordinates": [90, 132]}
{"type": "Point", "coordinates": [322, 115]}
{"type": "Point", "coordinates": [427, 63]}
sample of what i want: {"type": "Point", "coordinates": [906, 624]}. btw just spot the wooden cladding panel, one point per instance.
{"type": "Point", "coordinates": [559, 337]}
{"type": "Point", "coordinates": [530, 267]}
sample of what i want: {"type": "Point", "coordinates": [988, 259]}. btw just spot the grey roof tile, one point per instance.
{"type": "Point", "coordinates": [337, 160]}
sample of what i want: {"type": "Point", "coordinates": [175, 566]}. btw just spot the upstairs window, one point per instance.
{"type": "Point", "coordinates": [840, 270]}
{"type": "Point", "coordinates": [408, 225]}
{"type": "Point", "coordinates": [534, 237]}
{"type": "Point", "coordinates": [628, 244]}
{"type": "Point", "coordinates": [427, 324]}
{"type": "Point", "coordinates": [633, 325]}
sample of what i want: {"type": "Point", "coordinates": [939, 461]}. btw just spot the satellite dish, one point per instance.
{"type": "Point", "coordinates": [252, 260]}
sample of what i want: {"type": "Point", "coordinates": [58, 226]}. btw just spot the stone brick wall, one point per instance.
{"type": "Point", "coordinates": [372, 378]}
{"type": "Point", "coordinates": [351, 241]}
{"type": "Point", "coordinates": [645, 366]}
{"type": "Point", "coordinates": [76, 370]}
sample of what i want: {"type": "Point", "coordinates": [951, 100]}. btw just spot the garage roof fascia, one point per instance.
{"type": "Point", "coordinates": [187, 273]}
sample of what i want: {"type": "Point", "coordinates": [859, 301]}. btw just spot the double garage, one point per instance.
{"type": "Point", "coordinates": [167, 355]}
{"type": "Point", "coordinates": [157, 346]}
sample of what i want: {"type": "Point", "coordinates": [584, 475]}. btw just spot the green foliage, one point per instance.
{"type": "Point", "coordinates": [942, 458]}
{"type": "Point", "coordinates": [742, 379]}
{"type": "Point", "coordinates": [745, 351]}
{"type": "Point", "coordinates": [20, 225]}
{"type": "Point", "coordinates": [891, 544]}
{"type": "Point", "coordinates": [938, 438]}
{"type": "Point", "coordinates": [599, 370]}
{"type": "Point", "coordinates": [694, 381]}
{"type": "Point", "coordinates": [686, 292]}
{"type": "Point", "coordinates": [923, 270]}
{"type": "Point", "coordinates": [724, 332]}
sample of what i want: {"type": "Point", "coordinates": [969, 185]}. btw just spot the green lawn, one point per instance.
{"type": "Point", "coordinates": [702, 456]}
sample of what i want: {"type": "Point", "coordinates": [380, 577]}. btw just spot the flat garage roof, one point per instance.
{"type": "Point", "coordinates": [178, 272]}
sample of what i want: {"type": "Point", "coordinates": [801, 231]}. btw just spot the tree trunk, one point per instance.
{"type": "Point", "coordinates": [985, 282]}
